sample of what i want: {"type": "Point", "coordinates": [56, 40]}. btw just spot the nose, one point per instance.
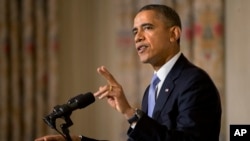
{"type": "Point", "coordinates": [139, 37]}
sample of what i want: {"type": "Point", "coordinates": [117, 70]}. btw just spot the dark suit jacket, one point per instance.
{"type": "Point", "coordinates": [188, 108]}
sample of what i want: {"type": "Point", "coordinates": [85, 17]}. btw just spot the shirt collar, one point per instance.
{"type": "Point", "coordinates": [165, 69]}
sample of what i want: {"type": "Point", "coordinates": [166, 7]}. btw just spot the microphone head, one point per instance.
{"type": "Point", "coordinates": [77, 102]}
{"type": "Point", "coordinates": [82, 100]}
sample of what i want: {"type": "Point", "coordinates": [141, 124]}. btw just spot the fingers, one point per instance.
{"type": "Point", "coordinates": [39, 139]}
{"type": "Point", "coordinates": [112, 91]}
{"type": "Point", "coordinates": [102, 92]}
{"type": "Point", "coordinates": [105, 91]}
{"type": "Point", "coordinates": [109, 89]}
{"type": "Point", "coordinates": [107, 75]}
{"type": "Point", "coordinates": [42, 139]}
{"type": "Point", "coordinates": [51, 138]}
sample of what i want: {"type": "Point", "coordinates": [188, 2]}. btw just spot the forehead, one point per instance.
{"type": "Point", "coordinates": [147, 16]}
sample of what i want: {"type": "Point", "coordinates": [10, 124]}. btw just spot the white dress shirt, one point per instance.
{"type": "Point", "coordinates": [165, 69]}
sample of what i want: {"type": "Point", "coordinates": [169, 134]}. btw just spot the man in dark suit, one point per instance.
{"type": "Point", "coordinates": [184, 104]}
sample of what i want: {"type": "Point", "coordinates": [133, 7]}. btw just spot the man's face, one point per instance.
{"type": "Point", "coordinates": [152, 38]}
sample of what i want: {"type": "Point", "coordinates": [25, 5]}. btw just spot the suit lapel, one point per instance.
{"type": "Point", "coordinates": [168, 85]}
{"type": "Point", "coordinates": [145, 101]}
{"type": "Point", "coordinates": [165, 92]}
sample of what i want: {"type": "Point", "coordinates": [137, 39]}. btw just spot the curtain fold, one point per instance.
{"type": "Point", "coordinates": [28, 67]}
{"type": "Point", "coordinates": [15, 70]}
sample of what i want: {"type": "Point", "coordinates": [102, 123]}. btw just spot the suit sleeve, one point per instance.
{"type": "Point", "coordinates": [84, 138]}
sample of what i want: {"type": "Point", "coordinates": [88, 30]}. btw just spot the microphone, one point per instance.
{"type": "Point", "coordinates": [63, 111]}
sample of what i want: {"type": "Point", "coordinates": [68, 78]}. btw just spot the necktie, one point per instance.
{"type": "Point", "coordinates": [151, 96]}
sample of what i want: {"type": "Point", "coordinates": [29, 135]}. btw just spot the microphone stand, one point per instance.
{"type": "Point", "coordinates": [51, 121]}
{"type": "Point", "coordinates": [65, 126]}
{"type": "Point", "coordinates": [64, 111]}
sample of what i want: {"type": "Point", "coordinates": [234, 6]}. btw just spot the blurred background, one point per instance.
{"type": "Point", "coordinates": [50, 49]}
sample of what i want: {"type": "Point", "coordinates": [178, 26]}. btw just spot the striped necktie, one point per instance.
{"type": "Point", "coordinates": [152, 94]}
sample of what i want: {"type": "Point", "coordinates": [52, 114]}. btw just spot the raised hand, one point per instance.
{"type": "Point", "coordinates": [114, 93]}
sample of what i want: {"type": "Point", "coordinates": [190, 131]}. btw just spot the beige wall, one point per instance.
{"type": "Point", "coordinates": [237, 62]}
{"type": "Point", "coordinates": [86, 34]}
{"type": "Point", "coordinates": [87, 37]}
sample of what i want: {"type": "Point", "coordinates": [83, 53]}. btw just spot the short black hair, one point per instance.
{"type": "Point", "coordinates": [166, 11]}
{"type": "Point", "coordinates": [172, 17]}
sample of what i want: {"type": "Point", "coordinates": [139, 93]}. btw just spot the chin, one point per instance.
{"type": "Point", "coordinates": [144, 61]}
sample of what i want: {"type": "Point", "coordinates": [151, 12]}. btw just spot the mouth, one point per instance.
{"type": "Point", "coordinates": [141, 48]}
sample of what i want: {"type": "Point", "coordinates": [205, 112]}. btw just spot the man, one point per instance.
{"type": "Point", "coordinates": [184, 105]}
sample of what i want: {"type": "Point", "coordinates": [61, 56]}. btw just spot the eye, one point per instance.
{"type": "Point", "coordinates": [134, 31]}
{"type": "Point", "coordinates": [147, 27]}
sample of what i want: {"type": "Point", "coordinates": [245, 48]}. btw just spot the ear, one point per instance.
{"type": "Point", "coordinates": [175, 33]}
